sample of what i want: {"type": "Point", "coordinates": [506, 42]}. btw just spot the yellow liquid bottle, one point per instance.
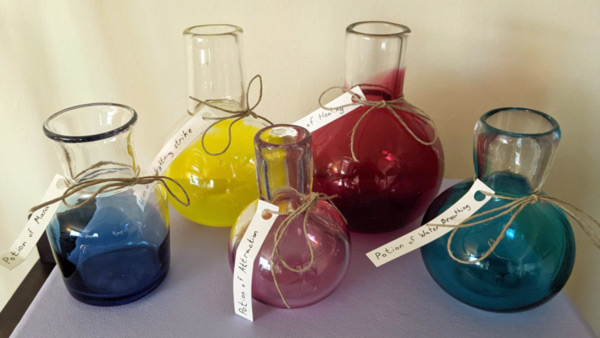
{"type": "Point", "coordinates": [219, 186]}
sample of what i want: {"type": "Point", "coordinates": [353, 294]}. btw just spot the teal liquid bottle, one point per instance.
{"type": "Point", "coordinates": [513, 151]}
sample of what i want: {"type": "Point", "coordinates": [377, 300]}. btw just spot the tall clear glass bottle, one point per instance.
{"type": "Point", "coordinates": [219, 186]}
{"type": "Point", "coordinates": [513, 150]}
{"type": "Point", "coordinates": [114, 248]}
{"type": "Point", "coordinates": [284, 170]}
{"type": "Point", "coordinates": [395, 176]}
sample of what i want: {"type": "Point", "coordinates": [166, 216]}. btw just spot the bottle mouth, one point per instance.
{"type": "Point", "coordinates": [377, 28]}
{"type": "Point", "coordinates": [282, 135]}
{"type": "Point", "coordinates": [520, 122]}
{"type": "Point", "coordinates": [89, 122]}
{"type": "Point", "coordinates": [213, 30]}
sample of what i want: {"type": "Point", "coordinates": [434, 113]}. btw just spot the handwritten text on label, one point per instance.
{"type": "Point", "coordinates": [462, 209]}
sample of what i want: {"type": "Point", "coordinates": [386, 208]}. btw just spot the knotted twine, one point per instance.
{"type": "Point", "coordinates": [236, 115]}
{"type": "Point", "coordinates": [517, 204]}
{"type": "Point", "coordinates": [111, 184]}
{"type": "Point", "coordinates": [391, 105]}
{"type": "Point", "coordinates": [308, 202]}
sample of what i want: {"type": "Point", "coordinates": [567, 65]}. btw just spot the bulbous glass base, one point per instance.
{"type": "Point", "coordinates": [219, 186]}
{"type": "Point", "coordinates": [329, 240]}
{"type": "Point", "coordinates": [395, 177]}
{"type": "Point", "coordinates": [529, 266]}
{"type": "Point", "coordinates": [111, 250]}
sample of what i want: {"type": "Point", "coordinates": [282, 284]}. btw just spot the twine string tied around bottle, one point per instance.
{"type": "Point", "coordinates": [514, 207]}
{"type": "Point", "coordinates": [307, 204]}
{"type": "Point", "coordinates": [391, 106]}
{"type": "Point", "coordinates": [111, 184]}
{"type": "Point", "coordinates": [235, 115]}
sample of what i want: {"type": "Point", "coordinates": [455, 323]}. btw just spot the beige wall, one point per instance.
{"type": "Point", "coordinates": [464, 58]}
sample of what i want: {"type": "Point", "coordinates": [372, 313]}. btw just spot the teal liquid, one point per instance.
{"type": "Point", "coordinates": [530, 265]}
{"type": "Point", "coordinates": [110, 251]}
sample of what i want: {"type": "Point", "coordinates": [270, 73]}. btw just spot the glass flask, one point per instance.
{"type": "Point", "coordinates": [219, 185]}
{"type": "Point", "coordinates": [394, 176]}
{"type": "Point", "coordinates": [513, 151]}
{"type": "Point", "coordinates": [284, 170]}
{"type": "Point", "coordinates": [114, 248]}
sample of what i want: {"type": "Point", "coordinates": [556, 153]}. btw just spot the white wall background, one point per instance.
{"type": "Point", "coordinates": [464, 58]}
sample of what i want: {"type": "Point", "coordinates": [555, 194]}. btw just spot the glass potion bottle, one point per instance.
{"type": "Point", "coordinates": [114, 248]}
{"type": "Point", "coordinates": [513, 151]}
{"type": "Point", "coordinates": [284, 170]}
{"type": "Point", "coordinates": [219, 185]}
{"type": "Point", "coordinates": [394, 177]}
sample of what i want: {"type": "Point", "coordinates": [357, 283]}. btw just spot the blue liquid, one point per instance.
{"type": "Point", "coordinates": [529, 266]}
{"type": "Point", "coordinates": [110, 250]}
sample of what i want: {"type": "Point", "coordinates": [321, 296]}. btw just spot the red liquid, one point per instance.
{"type": "Point", "coordinates": [395, 178]}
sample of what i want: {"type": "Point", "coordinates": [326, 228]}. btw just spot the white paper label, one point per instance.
{"type": "Point", "coordinates": [34, 228]}
{"type": "Point", "coordinates": [185, 135]}
{"type": "Point", "coordinates": [322, 117]}
{"type": "Point", "coordinates": [245, 256]}
{"type": "Point", "coordinates": [464, 208]}
{"type": "Point", "coordinates": [189, 132]}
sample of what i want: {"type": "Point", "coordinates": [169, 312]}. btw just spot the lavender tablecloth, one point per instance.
{"type": "Point", "coordinates": [398, 299]}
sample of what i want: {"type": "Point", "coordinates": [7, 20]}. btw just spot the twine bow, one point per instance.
{"type": "Point", "coordinates": [308, 202]}
{"type": "Point", "coordinates": [111, 184]}
{"type": "Point", "coordinates": [392, 106]}
{"type": "Point", "coordinates": [517, 204]}
{"type": "Point", "coordinates": [236, 115]}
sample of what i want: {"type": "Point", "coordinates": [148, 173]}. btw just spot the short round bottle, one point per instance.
{"type": "Point", "coordinates": [284, 169]}
{"type": "Point", "coordinates": [513, 151]}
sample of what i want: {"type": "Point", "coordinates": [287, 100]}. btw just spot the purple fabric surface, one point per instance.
{"type": "Point", "coordinates": [398, 299]}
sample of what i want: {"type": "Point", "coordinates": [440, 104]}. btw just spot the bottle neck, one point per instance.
{"type": "Point", "coordinates": [94, 141]}
{"type": "Point", "coordinates": [112, 158]}
{"type": "Point", "coordinates": [514, 149]}
{"type": "Point", "coordinates": [214, 63]}
{"type": "Point", "coordinates": [284, 162]}
{"type": "Point", "coordinates": [375, 58]}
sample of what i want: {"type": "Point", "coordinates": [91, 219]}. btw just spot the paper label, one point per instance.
{"type": "Point", "coordinates": [185, 135]}
{"type": "Point", "coordinates": [34, 228]}
{"type": "Point", "coordinates": [464, 208]}
{"type": "Point", "coordinates": [245, 256]}
{"type": "Point", "coordinates": [189, 132]}
{"type": "Point", "coordinates": [322, 117]}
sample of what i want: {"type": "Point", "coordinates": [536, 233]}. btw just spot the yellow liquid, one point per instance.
{"type": "Point", "coordinates": [220, 186]}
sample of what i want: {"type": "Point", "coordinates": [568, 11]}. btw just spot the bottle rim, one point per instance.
{"type": "Point", "coordinates": [93, 137]}
{"type": "Point", "coordinates": [303, 136]}
{"type": "Point", "coordinates": [213, 30]}
{"type": "Point", "coordinates": [553, 124]}
{"type": "Point", "coordinates": [354, 29]}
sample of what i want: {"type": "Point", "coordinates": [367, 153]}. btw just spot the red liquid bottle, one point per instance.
{"type": "Point", "coordinates": [395, 174]}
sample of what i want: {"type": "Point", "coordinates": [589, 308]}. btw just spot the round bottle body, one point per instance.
{"type": "Point", "coordinates": [530, 265]}
{"type": "Point", "coordinates": [330, 243]}
{"type": "Point", "coordinates": [395, 177]}
{"type": "Point", "coordinates": [113, 249]}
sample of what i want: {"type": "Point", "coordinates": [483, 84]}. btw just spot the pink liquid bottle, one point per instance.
{"type": "Point", "coordinates": [398, 162]}
{"type": "Point", "coordinates": [313, 253]}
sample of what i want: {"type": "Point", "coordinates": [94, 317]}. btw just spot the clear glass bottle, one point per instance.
{"type": "Point", "coordinates": [396, 176]}
{"type": "Point", "coordinates": [219, 186]}
{"type": "Point", "coordinates": [513, 151]}
{"type": "Point", "coordinates": [114, 248]}
{"type": "Point", "coordinates": [284, 170]}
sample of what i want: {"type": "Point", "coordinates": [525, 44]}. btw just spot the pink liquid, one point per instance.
{"type": "Point", "coordinates": [331, 246]}
{"type": "Point", "coordinates": [395, 178]}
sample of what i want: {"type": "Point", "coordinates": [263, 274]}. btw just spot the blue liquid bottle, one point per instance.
{"type": "Point", "coordinates": [513, 150]}
{"type": "Point", "coordinates": [114, 248]}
